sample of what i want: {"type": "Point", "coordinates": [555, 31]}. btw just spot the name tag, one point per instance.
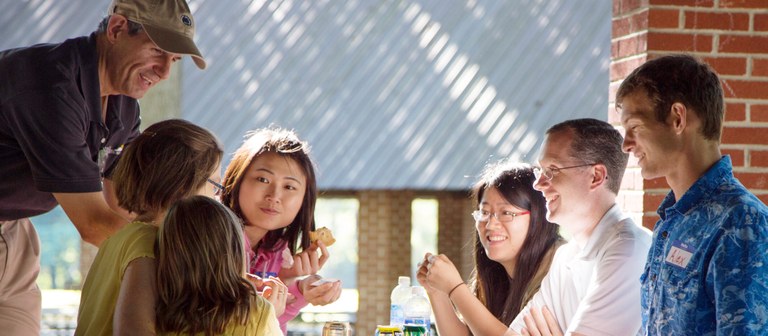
{"type": "Point", "coordinates": [679, 255]}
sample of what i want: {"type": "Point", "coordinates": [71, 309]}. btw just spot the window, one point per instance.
{"type": "Point", "coordinates": [423, 231]}
{"type": "Point", "coordinates": [339, 215]}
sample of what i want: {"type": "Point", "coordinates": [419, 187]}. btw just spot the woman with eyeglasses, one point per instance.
{"type": "Point", "coordinates": [514, 246]}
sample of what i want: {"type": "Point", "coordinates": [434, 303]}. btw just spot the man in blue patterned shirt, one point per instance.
{"type": "Point", "coordinates": [707, 270]}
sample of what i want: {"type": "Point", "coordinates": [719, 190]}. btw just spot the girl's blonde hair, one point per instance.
{"type": "Point", "coordinates": [201, 268]}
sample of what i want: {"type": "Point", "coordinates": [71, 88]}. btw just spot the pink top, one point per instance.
{"type": "Point", "coordinates": [268, 263]}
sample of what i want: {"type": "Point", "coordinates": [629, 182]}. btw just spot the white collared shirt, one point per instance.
{"type": "Point", "coordinates": [596, 290]}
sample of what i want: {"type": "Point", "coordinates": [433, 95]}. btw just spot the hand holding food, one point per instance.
{"type": "Point", "coordinates": [311, 260]}
{"type": "Point", "coordinates": [275, 291]}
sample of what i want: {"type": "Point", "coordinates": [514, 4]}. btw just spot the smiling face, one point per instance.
{"type": "Point", "coordinates": [650, 141]}
{"type": "Point", "coordinates": [567, 190]}
{"type": "Point", "coordinates": [271, 193]}
{"type": "Point", "coordinates": [133, 63]}
{"type": "Point", "coordinates": [501, 241]}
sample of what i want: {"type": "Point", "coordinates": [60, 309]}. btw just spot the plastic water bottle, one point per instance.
{"type": "Point", "coordinates": [417, 309]}
{"type": "Point", "coordinates": [400, 294]}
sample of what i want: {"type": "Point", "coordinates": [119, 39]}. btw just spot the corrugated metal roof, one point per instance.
{"type": "Point", "coordinates": [390, 94]}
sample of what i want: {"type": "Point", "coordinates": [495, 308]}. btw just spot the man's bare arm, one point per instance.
{"type": "Point", "coordinates": [92, 217]}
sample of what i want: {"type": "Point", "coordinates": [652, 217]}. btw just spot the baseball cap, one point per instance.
{"type": "Point", "coordinates": [168, 23]}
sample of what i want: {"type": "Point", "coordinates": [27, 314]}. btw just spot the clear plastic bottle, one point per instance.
{"type": "Point", "coordinates": [400, 294]}
{"type": "Point", "coordinates": [417, 309]}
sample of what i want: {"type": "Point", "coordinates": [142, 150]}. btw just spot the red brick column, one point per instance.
{"type": "Point", "coordinates": [730, 35]}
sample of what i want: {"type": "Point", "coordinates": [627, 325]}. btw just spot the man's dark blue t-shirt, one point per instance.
{"type": "Point", "coordinates": [52, 136]}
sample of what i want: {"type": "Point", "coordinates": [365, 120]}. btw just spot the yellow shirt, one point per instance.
{"type": "Point", "coordinates": [102, 285]}
{"type": "Point", "coordinates": [261, 322]}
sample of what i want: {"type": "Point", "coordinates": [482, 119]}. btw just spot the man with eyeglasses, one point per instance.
{"type": "Point", "coordinates": [592, 287]}
{"type": "Point", "coordinates": [707, 271]}
{"type": "Point", "coordinates": [67, 110]}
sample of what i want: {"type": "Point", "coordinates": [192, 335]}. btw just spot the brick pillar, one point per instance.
{"type": "Point", "coordinates": [456, 230]}
{"type": "Point", "coordinates": [384, 245]}
{"type": "Point", "coordinates": [730, 35]}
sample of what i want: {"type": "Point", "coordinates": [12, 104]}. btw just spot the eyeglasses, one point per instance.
{"type": "Point", "coordinates": [550, 173]}
{"type": "Point", "coordinates": [216, 185]}
{"type": "Point", "coordinates": [504, 216]}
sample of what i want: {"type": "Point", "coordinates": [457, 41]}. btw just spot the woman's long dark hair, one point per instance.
{"type": "Point", "coordinates": [288, 145]}
{"type": "Point", "coordinates": [515, 183]}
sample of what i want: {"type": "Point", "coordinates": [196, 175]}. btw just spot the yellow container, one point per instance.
{"type": "Point", "coordinates": [386, 330]}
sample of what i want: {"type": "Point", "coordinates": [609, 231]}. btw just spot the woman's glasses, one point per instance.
{"type": "Point", "coordinates": [217, 186]}
{"type": "Point", "coordinates": [504, 216]}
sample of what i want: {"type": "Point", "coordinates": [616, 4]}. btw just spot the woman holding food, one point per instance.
{"type": "Point", "coordinates": [270, 184]}
{"type": "Point", "coordinates": [513, 248]}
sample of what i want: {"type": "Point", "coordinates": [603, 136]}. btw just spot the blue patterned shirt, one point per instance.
{"type": "Point", "coordinates": [707, 270]}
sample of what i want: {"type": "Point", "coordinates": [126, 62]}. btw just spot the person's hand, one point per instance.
{"type": "Point", "coordinates": [438, 273]}
{"type": "Point", "coordinates": [540, 322]}
{"type": "Point", "coordinates": [319, 295]}
{"type": "Point", "coordinates": [256, 280]}
{"type": "Point", "coordinates": [421, 275]}
{"type": "Point", "coordinates": [308, 262]}
{"type": "Point", "coordinates": [274, 290]}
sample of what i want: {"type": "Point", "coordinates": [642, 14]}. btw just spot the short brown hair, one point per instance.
{"type": "Point", "coordinates": [679, 78]}
{"type": "Point", "coordinates": [596, 141]}
{"type": "Point", "coordinates": [170, 160]}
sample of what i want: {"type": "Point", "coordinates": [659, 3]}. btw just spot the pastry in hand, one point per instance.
{"type": "Point", "coordinates": [322, 234]}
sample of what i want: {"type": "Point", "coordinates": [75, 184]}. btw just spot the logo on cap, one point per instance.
{"type": "Point", "coordinates": [186, 20]}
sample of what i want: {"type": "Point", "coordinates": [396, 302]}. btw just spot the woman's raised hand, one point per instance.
{"type": "Point", "coordinates": [437, 273]}
{"type": "Point", "coordinates": [308, 262]}
{"type": "Point", "coordinates": [274, 290]}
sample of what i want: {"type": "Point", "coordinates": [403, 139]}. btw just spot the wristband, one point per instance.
{"type": "Point", "coordinates": [453, 289]}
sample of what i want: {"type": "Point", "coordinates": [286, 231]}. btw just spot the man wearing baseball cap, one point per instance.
{"type": "Point", "coordinates": [67, 111]}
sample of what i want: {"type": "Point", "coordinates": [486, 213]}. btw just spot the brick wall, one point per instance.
{"type": "Point", "coordinates": [384, 250]}
{"type": "Point", "coordinates": [730, 35]}
{"type": "Point", "coordinates": [456, 230]}
{"type": "Point", "coordinates": [384, 244]}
